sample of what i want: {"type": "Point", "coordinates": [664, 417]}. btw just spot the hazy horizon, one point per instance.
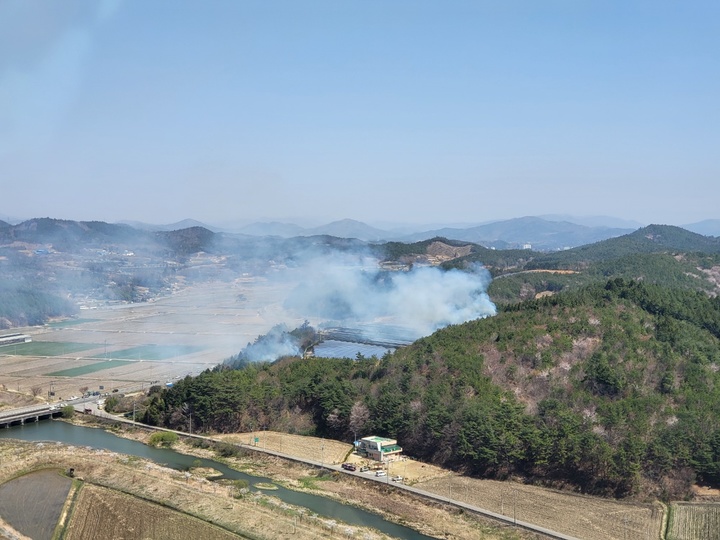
{"type": "Point", "coordinates": [406, 112]}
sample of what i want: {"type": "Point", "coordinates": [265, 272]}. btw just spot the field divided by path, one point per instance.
{"type": "Point", "coordinates": [90, 368]}
{"type": "Point", "coordinates": [47, 348]}
{"type": "Point", "coordinates": [156, 352]}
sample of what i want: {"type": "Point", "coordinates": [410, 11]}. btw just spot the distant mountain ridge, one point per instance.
{"type": "Point", "coordinates": [708, 227]}
{"type": "Point", "coordinates": [540, 234]}
{"type": "Point", "coordinates": [528, 232]}
{"type": "Point", "coordinates": [532, 232]}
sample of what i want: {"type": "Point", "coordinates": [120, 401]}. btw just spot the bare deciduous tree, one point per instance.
{"type": "Point", "coordinates": [36, 390]}
{"type": "Point", "coordinates": [359, 415]}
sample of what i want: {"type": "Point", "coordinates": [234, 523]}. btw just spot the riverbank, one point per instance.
{"type": "Point", "coordinates": [433, 519]}
{"type": "Point", "coordinates": [255, 516]}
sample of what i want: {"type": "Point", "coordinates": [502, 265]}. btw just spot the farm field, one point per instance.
{"type": "Point", "coordinates": [89, 368]}
{"type": "Point", "coordinates": [156, 352]}
{"type": "Point", "coordinates": [183, 334]}
{"type": "Point", "coordinates": [694, 521]}
{"type": "Point", "coordinates": [119, 515]}
{"type": "Point", "coordinates": [311, 448]}
{"type": "Point", "coordinates": [46, 348]}
{"type": "Point", "coordinates": [588, 518]}
{"type": "Point", "coordinates": [132, 486]}
{"type": "Point", "coordinates": [33, 502]}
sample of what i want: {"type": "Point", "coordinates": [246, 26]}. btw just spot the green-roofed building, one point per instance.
{"type": "Point", "coordinates": [379, 448]}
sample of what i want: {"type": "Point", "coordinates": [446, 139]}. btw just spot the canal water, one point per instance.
{"type": "Point", "coordinates": [49, 430]}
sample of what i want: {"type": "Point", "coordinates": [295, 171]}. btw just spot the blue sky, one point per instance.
{"type": "Point", "coordinates": [381, 111]}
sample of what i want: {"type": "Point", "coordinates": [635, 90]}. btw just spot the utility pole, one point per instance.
{"type": "Point", "coordinates": [133, 411]}
{"type": "Point", "coordinates": [190, 427]}
{"type": "Point", "coordinates": [625, 525]}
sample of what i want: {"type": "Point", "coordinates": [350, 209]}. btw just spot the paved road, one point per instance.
{"type": "Point", "coordinates": [43, 408]}
{"type": "Point", "coordinates": [91, 402]}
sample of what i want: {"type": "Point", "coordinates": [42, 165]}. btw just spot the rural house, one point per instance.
{"type": "Point", "coordinates": [378, 448]}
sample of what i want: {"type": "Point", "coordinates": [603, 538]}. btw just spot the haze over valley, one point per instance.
{"type": "Point", "coordinates": [484, 233]}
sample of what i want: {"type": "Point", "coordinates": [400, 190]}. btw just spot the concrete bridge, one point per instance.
{"type": "Point", "coordinates": [384, 337]}
{"type": "Point", "coordinates": [35, 413]}
{"type": "Point", "coordinates": [19, 417]}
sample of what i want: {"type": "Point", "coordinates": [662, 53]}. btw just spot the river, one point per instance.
{"type": "Point", "coordinates": [49, 430]}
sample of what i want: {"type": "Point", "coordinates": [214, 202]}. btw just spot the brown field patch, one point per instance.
{"type": "Point", "coordinates": [256, 516]}
{"type": "Point", "coordinates": [119, 515]}
{"type": "Point", "coordinates": [10, 399]}
{"type": "Point", "coordinates": [694, 521]}
{"type": "Point", "coordinates": [589, 518]}
{"type": "Point", "coordinates": [311, 448]}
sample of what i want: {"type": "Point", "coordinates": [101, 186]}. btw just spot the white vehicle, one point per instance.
{"type": "Point", "coordinates": [397, 478]}
{"type": "Point", "coordinates": [380, 473]}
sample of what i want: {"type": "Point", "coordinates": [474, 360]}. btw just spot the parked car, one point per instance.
{"type": "Point", "coordinates": [364, 468]}
{"type": "Point", "coordinates": [380, 473]}
{"type": "Point", "coordinates": [397, 478]}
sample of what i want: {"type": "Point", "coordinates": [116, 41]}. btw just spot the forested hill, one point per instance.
{"type": "Point", "coordinates": [653, 239]}
{"type": "Point", "coordinates": [650, 239]}
{"type": "Point", "coordinates": [660, 254]}
{"type": "Point", "coordinates": [613, 389]}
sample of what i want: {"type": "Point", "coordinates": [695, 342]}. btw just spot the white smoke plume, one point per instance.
{"type": "Point", "coordinates": [351, 290]}
{"type": "Point", "coordinates": [269, 347]}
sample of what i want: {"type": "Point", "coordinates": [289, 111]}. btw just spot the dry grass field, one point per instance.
{"type": "Point", "coordinates": [313, 448]}
{"type": "Point", "coordinates": [112, 514]}
{"type": "Point", "coordinates": [694, 521]}
{"type": "Point", "coordinates": [10, 399]}
{"type": "Point", "coordinates": [132, 482]}
{"type": "Point", "coordinates": [588, 518]}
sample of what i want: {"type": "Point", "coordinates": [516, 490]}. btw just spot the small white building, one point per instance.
{"type": "Point", "coordinates": [10, 339]}
{"type": "Point", "coordinates": [378, 448]}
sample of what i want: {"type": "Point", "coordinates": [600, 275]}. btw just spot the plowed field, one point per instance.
{"type": "Point", "coordinates": [118, 515]}
{"type": "Point", "coordinates": [694, 521]}
{"type": "Point", "coordinates": [589, 518]}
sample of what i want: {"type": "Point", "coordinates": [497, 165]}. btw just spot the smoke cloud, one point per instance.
{"type": "Point", "coordinates": [351, 290]}
{"type": "Point", "coordinates": [269, 347]}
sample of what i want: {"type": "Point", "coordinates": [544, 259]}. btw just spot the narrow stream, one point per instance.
{"type": "Point", "coordinates": [64, 432]}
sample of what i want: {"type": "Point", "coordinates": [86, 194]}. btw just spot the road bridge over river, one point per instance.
{"type": "Point", "coordinates": [83, 404]}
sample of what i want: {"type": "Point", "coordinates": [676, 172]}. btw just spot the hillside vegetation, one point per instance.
{"type": "Point", "coordinates": [660, 254]}
{"type": "Point", "coordinates": [612, 389]}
